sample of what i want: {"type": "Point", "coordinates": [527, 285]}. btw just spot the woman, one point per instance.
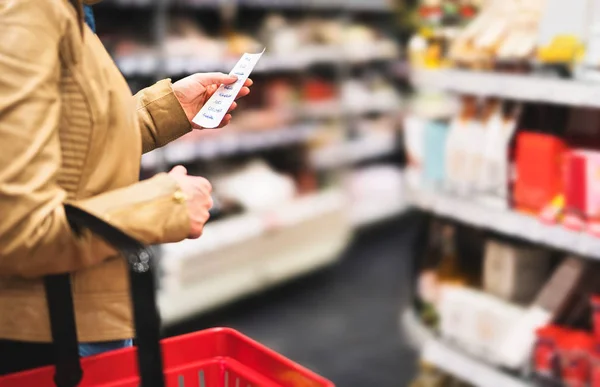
{"type": "Point", "coordinates": [70, 131]}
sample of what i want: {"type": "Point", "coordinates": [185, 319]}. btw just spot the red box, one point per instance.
{"type": "Point", "coordinates": [575, 190]}
{"type": "Point", "coordinates": [545, 352]}
{"type": "Point", "coordinates": [576, 361]}
{"type": "Point", "coordinates": [539, 177]}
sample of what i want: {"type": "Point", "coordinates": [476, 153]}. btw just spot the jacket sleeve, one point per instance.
{"type": "Point", "coordinates": [160, 115]}
{"type": "Point", "coordinates": [35, 237]}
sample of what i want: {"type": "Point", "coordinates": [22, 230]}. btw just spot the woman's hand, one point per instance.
{"type": "Point", "coordinates": [193, 92]}
{"type": "Point", "coordinates": [197, 192]}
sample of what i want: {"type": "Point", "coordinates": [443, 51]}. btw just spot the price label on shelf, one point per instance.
{"type": "Point", "coordinates": [212, 113]}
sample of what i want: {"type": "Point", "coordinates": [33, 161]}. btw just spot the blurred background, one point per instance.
{"type": "Point", "coordinates": [410, 196]}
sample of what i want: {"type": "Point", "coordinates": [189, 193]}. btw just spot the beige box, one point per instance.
{"type": "Point", "coordinates": [514, 273]}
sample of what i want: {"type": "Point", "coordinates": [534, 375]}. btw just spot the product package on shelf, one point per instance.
{"type": "Point", "coordinates": [424, 107]}
{"type": "Point", "coordinates": [538, 162]}
{"type": "Point", "coordinates": [414, 127]}
{"type": "Point", "coordinates": [505, 30]}
{"type": "Point", "coordinates": [564, 355]}
{"type": "Point", "coordinates": [590, 66]}
{"type": "Point", "coordinates": [582, 191]}
{"type": "Point", "coordinates": [562, 32]}
{"type": "Point", "coordinates": [495, 175]}
{"type": "Point", "coordinates": [557, 301]}
{"type": "Point", "coordinates": [475, 151]}
{"type": "Point", "coordinates": [439, 22]}
{"type": "Point", "coordinates": [514, 273]}
{"type": "Point", "coordinates": [452, 258]}
{"type": "Point", "coordinates": [459, 147]}
{"type": "Point", "coordinates": [477, 322]}
{"type": "Point", "coordinates": [504, 333]}
{"type": "Point", "coordinates": [436, 133]}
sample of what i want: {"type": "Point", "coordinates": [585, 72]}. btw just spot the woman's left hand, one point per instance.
{"type": "Point", "coordinates": [193, 92]}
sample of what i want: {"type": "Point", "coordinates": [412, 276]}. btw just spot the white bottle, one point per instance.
{"type": "Point", "coordinates": [497, 164]}
{"type": "Point", "coordinates": [459, 147]}
{"type": "Point", "coordinates": [490, 145]}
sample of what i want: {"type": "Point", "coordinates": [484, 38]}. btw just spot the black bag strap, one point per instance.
{"type": "Point", "coordinates": [145, 311]}
{"type": "Point", "coordinates": [64, 333]}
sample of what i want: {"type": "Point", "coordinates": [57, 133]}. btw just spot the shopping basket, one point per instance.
{"type": "Point", "coordinates": [219, 357]}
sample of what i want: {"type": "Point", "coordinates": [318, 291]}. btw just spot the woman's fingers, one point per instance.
{"type": "Point", "coordinates": [226, 121]}
{"type": "Point", "coordinates": [244, 91]}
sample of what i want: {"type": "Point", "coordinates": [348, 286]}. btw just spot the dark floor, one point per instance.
{"type": "Point", "coordinates": [343, 322]}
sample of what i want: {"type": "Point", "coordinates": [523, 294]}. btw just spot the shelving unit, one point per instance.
{"type": "Point", "coordinates": [229, 144]}
{"type": "Point", "coordinates": [474, 210]}
{"type": "Point", "coordinates": [269, 248]}
{"type": "Point", "coordinates": [500, 99]}
{"type": "Point", "coordinates": [197, 276]}
{"type": "Point", "coordinates": [517, 87]}
{"type": "Point", "coordinates": [147, 64]}
{"type": "Point", "coordinates": [455, 362]}
{"type": "Point", "coordinates": [508, 222]}
{"type": "Point", "coordinates": [452, 360]}
{"type": "Point", "coordinates": [413, 330]}
{"type": "Point", "coordinates": [353, 151]}
{"type": "Point", "coordinates": [349, 5]}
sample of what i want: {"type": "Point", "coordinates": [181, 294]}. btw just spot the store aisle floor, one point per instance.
{"type": "Point", "coordinates": [341, 323]}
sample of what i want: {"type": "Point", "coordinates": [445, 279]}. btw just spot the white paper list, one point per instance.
{"type": "Point", "coordinates": [212, 113]}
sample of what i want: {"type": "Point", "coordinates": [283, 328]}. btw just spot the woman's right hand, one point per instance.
{"type": "Point", "coordinates": [197, 192]}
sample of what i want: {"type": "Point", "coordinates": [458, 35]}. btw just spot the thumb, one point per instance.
{"type": "Point", "coordinates": [218, 78]}
{"type": "Point", "coordinates": [179, 170]}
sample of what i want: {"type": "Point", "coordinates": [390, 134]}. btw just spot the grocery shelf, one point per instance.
{"type": "Point", "coordinates": [367, 213]}
{"type": "Point", "coordinates": [333, 109]}
{"type": "Point", "coordinates": [352, 5]}
{"type": "Point", "coordinates": [228, 143]}
{"type": "Point", "coordinates": [138, 64]}
{"type": "Point", "coordinates": [466, 368]}
{"type": "Point", "coordinates": [271, 247]}
{"type": "Point", "coordinates": [190, 65]}
{"type": "Point", "coordinates": [506, 221]}
{"type": "Point", "coordinates": [451, 360]}
{"type": "Point", "coordinates": [519, 87]}
{"type": "Point", "coordinates": [413, 330]}
{"type": "Point", "coordinates": [322, 109]}
{"type": "Point", "coordinates": [126, 3]}
{"type": "Point", "coordinates": [349, 5]}
{"type": "Point", "coordinates": [147, 64]}
{"type": "Point", "coordinates": [353, 151]}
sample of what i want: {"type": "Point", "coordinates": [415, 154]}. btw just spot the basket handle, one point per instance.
{"type": "Point", "coordinates": [145, 312]}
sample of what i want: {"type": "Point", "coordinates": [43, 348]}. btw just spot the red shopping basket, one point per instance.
{"type": "Point", "coordinates": [217, 357]}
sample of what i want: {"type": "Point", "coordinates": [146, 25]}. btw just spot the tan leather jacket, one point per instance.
{"type": "Point", "coordinates": [70, 130]}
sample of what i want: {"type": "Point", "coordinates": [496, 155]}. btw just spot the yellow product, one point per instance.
{"type": "Point", "coordinates": [553, 212]}
{"type": "Point", "coordinates": [562, 49]}
{"type": "Point", "coordinates": [562, 31]}
{"type": "Point", "coordinates": [433, 54]}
